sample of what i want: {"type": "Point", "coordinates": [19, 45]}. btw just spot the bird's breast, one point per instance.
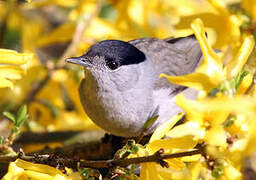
{"type": "Point", "coordinates": [122, 113]}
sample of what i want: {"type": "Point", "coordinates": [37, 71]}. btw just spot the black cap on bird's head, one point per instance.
{"type": "Point", "coordinates": [114, 52]}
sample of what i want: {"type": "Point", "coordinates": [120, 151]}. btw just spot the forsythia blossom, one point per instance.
{"type": "Point", "coordinates": [11, 66]}
{"type": "Point", "coordinates": [222, 118]}
{"type": "Point", "coordinates": [222, 115]}
{"type": "Point", "coordinates": [20, 169]}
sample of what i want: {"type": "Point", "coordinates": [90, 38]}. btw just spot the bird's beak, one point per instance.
{"type": "Point", "coordinates": [82, 61]}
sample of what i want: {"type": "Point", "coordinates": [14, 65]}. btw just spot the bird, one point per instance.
{"type": "Point", "coordinates": [121, 88]}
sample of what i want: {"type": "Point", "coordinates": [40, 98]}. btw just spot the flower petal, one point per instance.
{"type": "Point", "coordinates": [245, 84]}
{"type": "Point", "coordinates": [197, 81]}
{"type": "Point", "coordinates": [5, 83]}
{"type": "Point", "coordinates": [11, 72]}
{"type": "Point", "coordinates": [216, 136]}
{"type": "Point", "coordinates": [168, 145]}
{"type": "Point", "coordinates": [212, 64]}
{"type": "Point", "coordinates": [190, 128]}
{"type": "Point", "coordinates": [165, 127]}
{"type": "Point", "coordinates": [149, 171]}
{"type": "Point", "coordinates": [236, 65]}
{"type": "Point", "coordinates": [37, 167]}
{"type": "Point", "coordinates": [176, 163]}
{"type": "Point", "coordinates": [8, 56]}
{"type": "Point", "coordinates": [190, 108]}
{"type": "Point", "coordinates": [191, 158]}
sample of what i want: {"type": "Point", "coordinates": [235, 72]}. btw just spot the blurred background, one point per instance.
{"type": "Point", "coordinates": [53, 30]}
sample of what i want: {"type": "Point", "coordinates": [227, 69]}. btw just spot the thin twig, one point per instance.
{"type": "Point", "coordinates": [73, 162]}
{"type": "Point", "coordinates": [37, 87]}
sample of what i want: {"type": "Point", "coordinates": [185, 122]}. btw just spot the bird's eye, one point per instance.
{"type": "Point", "coordinates": [112, 64]}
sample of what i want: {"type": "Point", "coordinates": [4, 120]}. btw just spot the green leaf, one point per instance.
{"type": "Point", "coordinates": [213, 92]}
{"type": "Point", "coordinates": [1, 140]}
{"type": "Point", "coordinates": [217, 172]}
{"type": "Point", "coordinates": [229, 121]}
{"type": "Point", "coordinates": [88, 173]}
{"type": "Point", "coordinates": [150, 121]}
{"type": "Point", "coordinates": [15, 130]}
{"type": "Point", "coordinates": [130, 147]}
{"type": "Point", "coordinates": [229, 87]}
{"type": "Point", "coordinates": [12, 38]}
{"type": "Point", "coordinates": [21, 115]}
{"type": "Point", "coordinates": [239, 78]}
{"type": "Point", "coordinates": [108, 12]}
{"type": "Point", "coordinates": [135, 149]}
{"type": "Point", "coordinates": [200, 178]}
{"type": "Point", "coordinates": [10, 116]}
{"type": "Point", "coordinates": [245, 25]}
{"type": "Point", "coordinates": [254, 35]}
{"type": "Point", "coordinates": [226, 87]}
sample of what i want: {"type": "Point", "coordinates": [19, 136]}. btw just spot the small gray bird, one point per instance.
{"type": "Point", "coordinates": [122, 89]}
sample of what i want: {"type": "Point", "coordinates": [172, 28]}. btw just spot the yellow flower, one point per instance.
{"type": "Point", "coordinates": [20, 169]}
{"type": "Point", "coordinates": [210, 114]}
{"type": "Point", "coordinates": [22, 87]}
{"type": "Point", "coordinates": [229, 125]}
{"type": "Point", "coordinates": [225, 170]}
{"type": "Point", "coordinates": [212, 71]}
{"type": "Point", "coordinates": [250, 7]}
{"type": "Point", "coordinates": [224, 121]}
{"type": "Point", "coordinates": [10, 66]}
{"type": "Point", "coordinates": [31, 31]}
{"type": "Point", "coordinates": [61, 34]}
{"type": "Point", "coordinates": [180, 144]}
{"type": "Point", "coordinates": [251, 145]}
{"type": "Point", "coordinates": [51, 108]}
{"type": "Point", "coordinates": [207, 123]}
{"type": "Point", "coordinates": [85, 8]}
{"type": "Point", "coordinates": [223, 27]}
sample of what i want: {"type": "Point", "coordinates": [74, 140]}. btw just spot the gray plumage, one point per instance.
{"type": "Point", "coordinates": [175, 57]}
{"type": "Point", "coordinates": [122, 88]}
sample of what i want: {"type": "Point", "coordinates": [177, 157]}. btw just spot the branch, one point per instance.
{"type": "Point", "coordinates": [45, 137]}
{"type": "Point", "coordinates": [91, 147]}
{"type": "Point", "coordinates": [55, 161]}
{"type": "Point", "coordinates": [37, 87]}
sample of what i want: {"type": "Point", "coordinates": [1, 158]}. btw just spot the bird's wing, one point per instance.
{"type": "Point", "coordinates": [172, 56]}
